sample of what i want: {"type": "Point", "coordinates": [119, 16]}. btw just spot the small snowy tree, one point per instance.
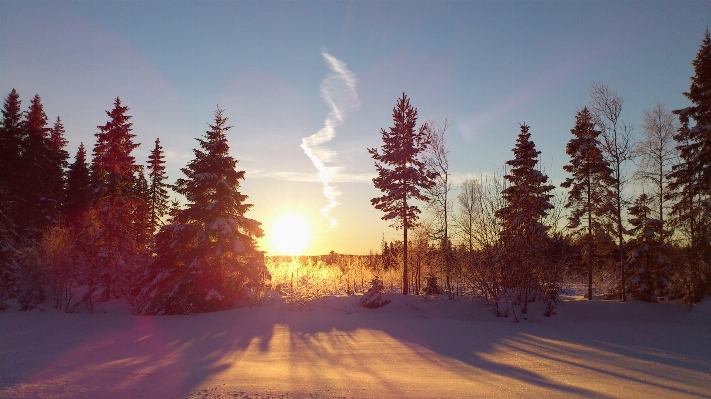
{"type": "Point", "coordinates": [647, 258]}
{"type": "Point", "coordinates": [376, 296]}
{"type": "Point", "coordinates": [206, 258]}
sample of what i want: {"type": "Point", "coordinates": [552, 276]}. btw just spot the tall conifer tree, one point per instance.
{"type": "Point", "coordinates": [589, 188]}
{"type": "Point", "coordinates": [58, 163]}
{"type": "Point", "coordinates": [157, 188]}
{"type": "Point", "coordinates": [11, 133]}
{"type": "Point", "coordinates": [523, 237]}
{"type": "Point", "coordinates": [402, 173]}
{"type": "Point", "coordinates": [207, 258]}
{"type": "Point", "coordinates": [10, 150]}
{"type": "Point", "coordinates": [78, 192]}
{"type": "Point", "coordinates": [39, 206]}
{"type": "Point", "coordinates": [114, 245]}
{"type": "Point", "coordinates": [690, 180]}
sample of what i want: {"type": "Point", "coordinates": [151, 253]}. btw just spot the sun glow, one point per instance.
{"type": "Point", "coordinates": [289, 235]}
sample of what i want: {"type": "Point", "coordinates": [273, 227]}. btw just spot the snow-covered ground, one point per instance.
{"type": "Point", "coordinates": [336, 348]}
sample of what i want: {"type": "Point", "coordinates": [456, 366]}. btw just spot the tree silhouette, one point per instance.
{"type": "Point", "coordinates": [402, 172]}
{"type": "Point", "coordinates": [207, 258]}
{"type": "Point", "coordinates": [78, 190]}
{"type": "Point", "coordinates": [157, 187]}
{"type": "Point", "coordinates": [690, 179]}
{"type": "Point", "coordinates": [523, 235]}
{"type": "Point", "coordinates": [588, 198]}
{"type": "Point", "coordinates": [113, 244]}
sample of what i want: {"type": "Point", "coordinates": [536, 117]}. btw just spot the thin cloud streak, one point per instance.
{"type": "Point", "coordinates": [338, 91]}
{"type": "Point", "coordinates": [339, 177]}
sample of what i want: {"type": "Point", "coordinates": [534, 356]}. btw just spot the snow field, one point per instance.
{"type": "Point", "coordinates": [334, 347]}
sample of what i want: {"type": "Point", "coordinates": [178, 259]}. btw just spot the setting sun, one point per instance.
{"type": "Point", "coordinates": [289, 235]}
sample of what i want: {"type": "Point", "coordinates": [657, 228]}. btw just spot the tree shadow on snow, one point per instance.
{"type": "Point", "coordinates": [338, 346]}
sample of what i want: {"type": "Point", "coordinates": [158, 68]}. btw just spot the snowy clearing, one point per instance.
{"type": "Point", "coordinates": [334, 347]}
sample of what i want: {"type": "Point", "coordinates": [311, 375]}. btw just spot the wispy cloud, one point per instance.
{"type": "Point", "coordinates": [338, 91]}
{"type": "Point", "coordinates": [340, 177]}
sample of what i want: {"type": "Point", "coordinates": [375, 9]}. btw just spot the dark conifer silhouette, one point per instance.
{"type": "Point", "coordinates": [58, 163]}
{"type": "Point", "coordinates": [647, 252]}
{"type": "Point", "coordinates": [10, 146]}
{"type": "Point", "coordinates": [206, 258]}
{"type": "Point", "coordinates": [523, 237]}
{"type": "Point", "coordinates": [690, 180]}
{"type": "Point", "coordinates": [589, 188]}
{"type": "Point", "coordinates": [113, 244]}
{"type": "Point", "coordinates": [402, 173]}
{"type": "Point", "coordinates": [142, 212]}
{"type": "Point", "coordinates": [42, 174]}
{"type": "Point", "coordinates": [157, 188]}
{"type": "Point", "coordinates": [11, 133]}
{"type": "Point", "coordinates": [78, 191]}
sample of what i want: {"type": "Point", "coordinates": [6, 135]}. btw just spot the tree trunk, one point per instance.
{"type": "Point", "coordinates": [405, 280]}
{"type": "Point", "coordinates": [590, 244]}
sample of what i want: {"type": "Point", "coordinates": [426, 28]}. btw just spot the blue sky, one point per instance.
{"type": "Point", "coordinates": [485, 66]}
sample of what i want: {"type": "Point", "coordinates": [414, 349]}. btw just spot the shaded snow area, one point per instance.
{"type": "Point", "coordinates": [336, 348]}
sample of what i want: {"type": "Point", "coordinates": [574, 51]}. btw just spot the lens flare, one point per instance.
{"type": "Point", "coordinates": [290, 234]}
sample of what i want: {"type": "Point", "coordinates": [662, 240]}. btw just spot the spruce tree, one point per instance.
{"type": "Point", "coordinates": [40, 200]}
{"type": "Point", "coordinates": [206, 258]}
{"type": "Point", "coordinates": [78, 192]}
{"type": "Point", "coordinates": [58, 164]}
{"type": "Point", "coordinates": [523, 237]}
{"type": "Point", "coordinates": [589, 189]}
{"type": "Point", "coordinates": [690, 180]}
{"type": "Point", "coordinates": [142, 216]}
{"type": "Point", "coordinates": [402, 173]}
{"type": "Point", "coordinates": [647, 257]}
{"type": "Point", "coordinates": [11, 132]}
{"type": "Point", "coordinates": [157, 188]}
{"type": "Point", "coordinates": [113, 246]}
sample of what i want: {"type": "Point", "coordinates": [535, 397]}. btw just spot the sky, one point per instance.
{"type": "Point", "coordinates": [331, 72]}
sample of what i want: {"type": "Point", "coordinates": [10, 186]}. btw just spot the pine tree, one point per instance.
{"type": "Point", "coordinates": [57, 164]}
{"type": "Point", "coordinates": [690, 180]}
{"type": "Point", "coordinates": [142, 215]}
{"type": "Point", "coordinates": [647, 258]}
{"type": "Point", "coordinates": [207, 258]}
{"type": "Point", "coordinates": [40, 197]}
{"type": "Point", "coordinates": [402, 173]}
{"type": "Point", "coordinates": [114, 248]}
{"type": "Point", "coordinates": [589, 188]}
{"type": "Point", "coordinates": [158, 193]}
{"type": "Point", "coordinates": [11, 132]}
{"type": "Point", "coordinates": [78, 192]}
{"type": "Point", "coordinates": [523, 237]}
{"type": "Point", "coordinates": [114, 169]}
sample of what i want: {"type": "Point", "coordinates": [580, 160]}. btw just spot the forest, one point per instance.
{"type": "Point", "coordinates": [632, 219]}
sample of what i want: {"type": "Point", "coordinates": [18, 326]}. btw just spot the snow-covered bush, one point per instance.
{"type": "Point", "coordinates": [432, 287]}
{"type": "Point", "coordinates": [375, 297]}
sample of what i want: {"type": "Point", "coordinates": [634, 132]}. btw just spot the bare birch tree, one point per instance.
{"type": "Point", "coordinates": [657, 154]}
{"type": "Point", "coordinates": [617, 146]}
{"type": "Point", "coordinates": [440, 204]}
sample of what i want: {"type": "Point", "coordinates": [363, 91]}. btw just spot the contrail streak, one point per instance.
{"type": "Point", "coordinates": [338, 91]}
